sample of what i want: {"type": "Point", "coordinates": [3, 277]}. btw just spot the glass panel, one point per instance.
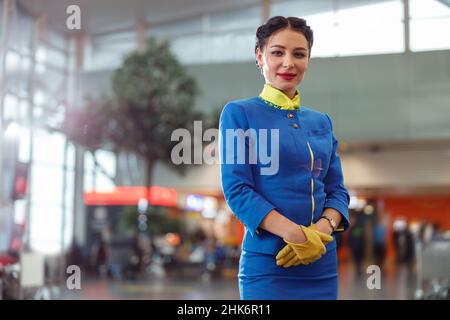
{"type": "Point", "coordinates": [17, 77]}
{"type": "Point", "coordinates": [374, 28]}
{"type": "Point", "coordinates": [230, 47]}
{"type": "Point", "coordinates": [56, 58]}
{"type": "Point", "coordinates": [108, 161]}
{"type": "Point", "coordinates": [45, 229]}
{"type": "Point", "coordinates": [108, 55]}
{"type": "Point", "coordinates": [176, 29]}
{"type": "Point", "coordinates": [23, 110]}
{"type": "Point", "coordinates": [56, 39]}
{"type": "Point", "coordinates": [113, 38]}
{"type": "Point", "coordinates": [52, 82]}
{"type": "Point", "coordinates": [24, 146]}
{"type": "Point", "coordinates": [88, 162]}
{"type": "Point", "coordinates": [25, 23]}
{"type": "Point", "coordinates": [428, 9]}
{"type": "Point", "coordinates": [190, 49]}
{"type": "Point", "coordinates": [425, 37]}
{"type": "Point", "coordinates": [46, 184]}
{"type": "Point", "coordinates": [12, 62]}
{"type": "Point", "coordinates": [301, 9]}
{"type": "Point", "coordinates": [48, 148]}
{"type": "Point", "coordinates": [249, 18]}
{"type": "Point", "coordinates": [11, 107]}
{"type": "Point", "coordinates": [71, 156]}
{"type": "Point", "coordinates": [234, 46]}
{"type": "Point", "coordinates": [19, 30]}
{"type": "Point", "coordinates": [325, 37]}
{"type": "Point", "coordinates": [88, 184]}
{"type": "Point", "coordinates": [103, 183]}
{"type": "Point", "coordinates": [244, 44]}
{"type": "Point", "coordinates": [70, 186]}
{"type": "Point", "coordinates": [351, 27]}
{"type": "Point", "coordinates": [430, 25]}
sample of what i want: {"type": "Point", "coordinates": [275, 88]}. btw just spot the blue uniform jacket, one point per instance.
{"type": "Point", "coordinates": [307, 179]}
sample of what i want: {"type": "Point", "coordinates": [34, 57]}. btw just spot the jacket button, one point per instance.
{"type": "Point", "coordinates": [290, 115]}
{"type": "Point", "coordinates": [294, 125]}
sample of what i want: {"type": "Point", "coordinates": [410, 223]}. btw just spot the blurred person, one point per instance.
{"type": "Point", "coordinates": [74, 255]}
{"type": "Point", "coordinates": [98, 255]}
{"type": "Point", "coordinates": [403, 243]}
{"type": "Point", "coordinates": [291, 213]}
{"type": "Point", "coordinates": [429, 232]}
{"type": "Point", "coordinates": [380, 240]}
{"type": "Point", "coordinates": [357, 244]}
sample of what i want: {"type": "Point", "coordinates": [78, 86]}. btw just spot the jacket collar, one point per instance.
{"type": "Point", "coordinates": [278, 99]}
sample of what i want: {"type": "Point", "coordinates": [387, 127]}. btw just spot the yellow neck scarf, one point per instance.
{"type": "Point", "coordinates": [278, 99]}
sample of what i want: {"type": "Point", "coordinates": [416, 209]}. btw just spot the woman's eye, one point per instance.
{"type": "Point", "coordinates": [300, 55]}
{"type": "Point", "coordinates": [277, 53]}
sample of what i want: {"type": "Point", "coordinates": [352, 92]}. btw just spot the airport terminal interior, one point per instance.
{"type": "Point", "coordinates": [93, 203]}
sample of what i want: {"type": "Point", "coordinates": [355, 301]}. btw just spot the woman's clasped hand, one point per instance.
{"type": "Point", "coordinates": [294, 254]}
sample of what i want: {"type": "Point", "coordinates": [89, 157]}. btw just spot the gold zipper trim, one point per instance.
{"type": "Point", "coordinates": [312, 182]}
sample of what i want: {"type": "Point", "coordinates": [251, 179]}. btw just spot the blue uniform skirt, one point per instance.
{"type": "Point", "coordinates": [261, 279]}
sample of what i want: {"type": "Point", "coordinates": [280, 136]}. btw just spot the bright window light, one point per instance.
{"type": "Point", "coordinates": [45, 229]}
{"type": "Point", "coordinates": [428, 9]}
{"type": "Point", "coordinates": [370, 29]}
{"type": "Point", "coordinates": [12, 61]}
{"type": "Point", "coordinates": [430, 25]}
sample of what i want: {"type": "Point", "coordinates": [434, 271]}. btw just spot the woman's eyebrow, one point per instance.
{"type": "Point", "coordinates": [283, 47]}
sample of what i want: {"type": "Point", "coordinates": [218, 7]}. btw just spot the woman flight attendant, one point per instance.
{"type": "Point", "coordinates": [282, 177]}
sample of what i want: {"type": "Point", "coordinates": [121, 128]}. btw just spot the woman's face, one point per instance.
{"type": "Point", "coordinates": [284, 60]}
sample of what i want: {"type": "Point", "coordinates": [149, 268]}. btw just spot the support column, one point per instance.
{"type": "Point", "coordinates": [406, 30]}
{"type": "Point", "coordinates": [39, 25]}
{"type": "Point", "coordinates": [265, 10]}
{"type": "Point", "coordinates": [141, 35]}
{"type": "Point", "coordinates": [6, 16]}
{"type": "Point", "coordinates": [79, 210]}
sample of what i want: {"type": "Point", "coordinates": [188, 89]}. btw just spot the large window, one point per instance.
{"type": "Point", "coordinates": [349, 28]}
{"type": "Point", "coordinates": [341, 28]}
{"type": "Point", "coordinates": [99, 171]}
{"type": "Point", "coordinates": [108, 51]}
{"type": "Point", "coordinates": [34, 101]}
{"type": "Point", "coordinates": [52, 172]}
{"type": "Point", "coordinates": [430, 25]}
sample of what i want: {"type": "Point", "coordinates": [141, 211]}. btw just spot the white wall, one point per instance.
{"type": "Point", "coordinates": [398, 168]}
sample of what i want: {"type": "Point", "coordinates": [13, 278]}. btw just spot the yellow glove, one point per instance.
{"type": "Point", "coordinates": [287, 256]}
{"type": "Point", "coordinates": [302, 253]}
{"type": "Point", "coordinates": [326, 238]}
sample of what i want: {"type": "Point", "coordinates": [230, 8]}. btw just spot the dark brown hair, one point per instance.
{"type": "Point", "coordinates": [279, 22]}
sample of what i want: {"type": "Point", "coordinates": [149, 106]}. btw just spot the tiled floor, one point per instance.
{"type": "Point", "coordinates": [396, 283]}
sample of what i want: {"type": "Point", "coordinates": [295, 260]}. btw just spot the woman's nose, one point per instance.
{"type": "Point", "coordinates": [288, 62]}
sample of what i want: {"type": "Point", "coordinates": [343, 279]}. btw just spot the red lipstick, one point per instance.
{"type": "Point", "coordinates": [286, 76]}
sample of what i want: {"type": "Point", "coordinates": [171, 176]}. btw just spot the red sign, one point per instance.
{"type": "Point", "coordinates": [130, 196]}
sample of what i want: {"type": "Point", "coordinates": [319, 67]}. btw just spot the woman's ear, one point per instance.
{"type": "Point", "coordinates": [258, 56]}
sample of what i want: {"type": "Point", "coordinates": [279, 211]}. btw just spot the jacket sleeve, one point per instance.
{"type": "Point", "coordinates": [237, 178]}
{"type": "Point", "coordinates": [337, 196]}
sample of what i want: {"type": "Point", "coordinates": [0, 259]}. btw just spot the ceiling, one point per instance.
{"type": "Point", "coordinates": [101, 16]}
{"type": "Point", "coordinates": [104, 16]}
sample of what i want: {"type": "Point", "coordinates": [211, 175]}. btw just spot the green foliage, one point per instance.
{"type": "Point", "coordinates": [152, 96]}
{"type": "Point", "coordinates": [88, 127]}
{"type": "Point", "coordinates": [158, 221]}
{"type": "Point", "coordinates": [155, 96]}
